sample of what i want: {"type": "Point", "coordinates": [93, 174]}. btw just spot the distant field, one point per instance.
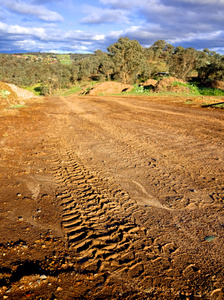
{"type": "Point", "coordinates": [64, 58]}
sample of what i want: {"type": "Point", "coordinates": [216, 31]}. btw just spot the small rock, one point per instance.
{"type": "Point", "coordinates": [209, 238]}
{"type": "Point", "coordinates": [43, 277]}
{"type": "Point", "coordinates": [59, 289]}
{"type": "Point", "coordinates": [9, 290]}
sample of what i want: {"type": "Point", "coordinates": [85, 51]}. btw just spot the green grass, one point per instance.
{"type": "Point", "coordinates": [137, 90]}
{"type": "Point", "coordinates": [16, 106]}
{"type": "Point", "coordinates": [195, 90]}
{"type": "Point", "coordinates": [219, 106]}
{"type": "Point", "coordinates": [64, 58]}
{"type": "Point", "coordinates": [73, 90]}
{"type": "Point", "coordinates": [35, 89]}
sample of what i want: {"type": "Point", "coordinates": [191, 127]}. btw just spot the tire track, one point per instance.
{"type": "Point", "coordinates": [136, 153]}
{"type": "Point", "coordinates": [96, 215]}
{"type": "Point", "coordinates": [99, 221]}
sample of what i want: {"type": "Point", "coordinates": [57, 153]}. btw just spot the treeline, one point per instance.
{"type": "Point", "coordinates": [126, 61]}
{"type": "Point", "coordinates": [73, 56]}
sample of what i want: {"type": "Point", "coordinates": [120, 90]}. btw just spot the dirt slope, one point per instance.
{"type": "Point", "coordinates": [112, 198]}
{"type": "Point", "coordinates": [11, 95]}
{"type": "Point", "coordinates": [109, 88]}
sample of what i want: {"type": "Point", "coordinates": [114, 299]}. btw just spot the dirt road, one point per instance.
{"type": "Point", "coordinates": [112, 198]}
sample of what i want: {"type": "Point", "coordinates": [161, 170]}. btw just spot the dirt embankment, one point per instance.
{"type": "Point", "coordinates": [11, 95]}
{"type": "Point", "coordinates": [109, 88]}
{"type": "Point", "coordinates": [112, 198]}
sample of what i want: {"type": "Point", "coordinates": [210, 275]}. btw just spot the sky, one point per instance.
{"type": "Point", "coordinates": [85, 26]}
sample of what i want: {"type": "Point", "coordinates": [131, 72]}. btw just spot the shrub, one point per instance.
{"type": "Point", "coordinates": [4, 94]}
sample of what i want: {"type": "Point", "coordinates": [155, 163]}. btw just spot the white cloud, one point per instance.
{"type": "Point", "coordinates": [38, 11]}
{"type": "Point", "coordinates": [28, 45]}
{"type": "Point", "coordinates": [99, 37]}
{"type": "Point", "coordinates": [19, 30]}
{"type": "Point", "coordinates": [78, 35]}
{"type": "Point", "coordinates": [181, 22]}
{"type": "Point", "coordinates": [79, 47]}
{"type": "Point", "coordinates": [101, 16]}
{"type": "Point", "coordinates": [196, 36]}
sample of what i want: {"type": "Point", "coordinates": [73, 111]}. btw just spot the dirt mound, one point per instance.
{"type": "Point", "coordinates": [11, 95]}
{"type": "Point", "coordinates": [215, 84]}
{"type": "Point", "coordinates": [166, 84]}
{"type": "Point", "coordinates": [108, 88]}
{"type": "Point", "coordinates": [7, 95]}
{"type": "Point", "coordinates": [150, 82]}
{"type": "Point", "coordinates": [22, 93]}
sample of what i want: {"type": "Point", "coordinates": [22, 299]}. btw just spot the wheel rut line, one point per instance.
{"type": "Point", "coordinates": [86, 198]}
{"type": "Point", "coordinates": [97, 215]}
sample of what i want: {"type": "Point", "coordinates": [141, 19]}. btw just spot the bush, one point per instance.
{"type": "Point", "coordinates": [195, 89]}
{"type": "Point", "coordinates": [4, 94]}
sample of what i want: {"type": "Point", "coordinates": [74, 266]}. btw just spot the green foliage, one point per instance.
{"type": "Point", "coordinates": [126, 61]}
{"type": "Point", "coordinates": [16, 106]}
{"type": "Point", "coordinates": [44, 90]}
{"type": "Point", "coordinates": [35, 89]}
{"type": "Point", "coordinates": [138, 90]}
{"type": "Point", "coordinates": [195, 89]}
{"type": "Point", "coordinates": [220, 105]}
{"type": "Point", "coordinates": [183, 62]}
{"type": "Point", "coordinates": [211, 92]}
{"type": "Point", "coordinates": [64, 58]}
{"type": "Point", "coordinates": [73, 90]}
{"type": "Point", "coordinates": [129, 60]}
{"type": "Point", "coordinates": [4, 94]}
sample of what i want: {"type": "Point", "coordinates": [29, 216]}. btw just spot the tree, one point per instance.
{"type": "Point", "coordinates": [212, 66]}
{"type": "Point", "coordinates": [128, 58]}
{"type": "Point", "coordinates": [105, 65]}
{"type": "Point", "coordinates": [183, 61]}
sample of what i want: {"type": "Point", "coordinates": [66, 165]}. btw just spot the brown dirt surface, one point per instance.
{"type": "Point", "coordinates": [21, 93]}
{"type": "Point", "coordinates": [112, 198]}
{"type": "Point", "coordinates": [10, 98]}
{"type": "Point", "coordinates": [165, 84]}
{"type": "Point", "coordinates": [15, 96]}
{"type": "Point", "coordinates": [109, 88]}
{"type": "Point", "coordinates": [149, 82]}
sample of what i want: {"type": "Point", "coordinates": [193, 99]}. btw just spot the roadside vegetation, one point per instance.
{"type": "Point", "coordinates": [125, 61]}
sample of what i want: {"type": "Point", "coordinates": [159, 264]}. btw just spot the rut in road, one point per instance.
{"type": "Point", "coordinates": [99, 221]}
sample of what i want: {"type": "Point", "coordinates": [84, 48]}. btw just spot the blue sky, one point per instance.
{"type": "Point", "coordinates": [85, 26]}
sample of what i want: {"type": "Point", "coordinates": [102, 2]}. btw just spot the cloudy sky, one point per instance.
{"type": "Point", "coordinates": [85, 26]}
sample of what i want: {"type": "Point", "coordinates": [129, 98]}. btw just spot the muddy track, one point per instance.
{"type": "Point", "coordinates": [130, 199]}
{"type": "Point", "coordinates": [99, 221]}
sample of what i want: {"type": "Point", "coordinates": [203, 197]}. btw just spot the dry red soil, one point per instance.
{"type": "Point", "coordinates": [112, 198]}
